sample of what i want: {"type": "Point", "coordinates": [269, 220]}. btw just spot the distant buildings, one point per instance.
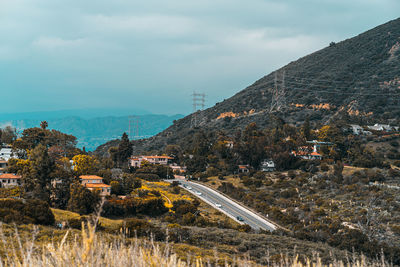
{"type": "Point", "coordinates": [360, 130]}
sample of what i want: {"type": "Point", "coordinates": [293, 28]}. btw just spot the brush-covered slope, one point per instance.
{"type": "Point", "coordinates": [357, 79]}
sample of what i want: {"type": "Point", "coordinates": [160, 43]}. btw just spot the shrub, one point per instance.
{"type": "Point", "coordinates": [23, 212]}
{"type": "Point", "coordinates": [137, 227]}
{"type": "Point", "coordinates": [148, 176]}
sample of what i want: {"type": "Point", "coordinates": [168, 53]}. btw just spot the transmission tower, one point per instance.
{"type": "Point", "coordinates": [279, 93]}
{"type": "Point", "coordinates": [199, 100]}
{"type": "Point", "coordinates": [133, 127]}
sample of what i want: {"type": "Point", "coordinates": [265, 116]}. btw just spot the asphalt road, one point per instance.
{"type": "Point", "coordinates": [228, 206]}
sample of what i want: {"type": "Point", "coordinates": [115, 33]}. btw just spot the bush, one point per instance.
{"type": "Point", "coordinates": [137, 227]}
{"type": "Point", "coordinates": [148, 176]}
{"type": "Point", "coordinates": [23, 212]}
{"type": "Point", "coordinates": [324, 167]}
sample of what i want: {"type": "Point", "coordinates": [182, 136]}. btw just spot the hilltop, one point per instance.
{"type": "Point", "coordinates": [357, 80]}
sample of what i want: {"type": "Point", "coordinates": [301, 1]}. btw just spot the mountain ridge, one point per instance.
{"type": "Point", "coordinates": [357, 80]}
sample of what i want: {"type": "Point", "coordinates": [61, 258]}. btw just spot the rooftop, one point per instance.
{"type": "Point", "coordinates": [90, 177]}
{"type": "Point", "coordinates": [97, 185]}
{"type": "Point", "coordinates": [10, 176]}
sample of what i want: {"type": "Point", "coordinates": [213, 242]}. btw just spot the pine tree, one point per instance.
{"type": "Point", "coordinates": [82, 200]}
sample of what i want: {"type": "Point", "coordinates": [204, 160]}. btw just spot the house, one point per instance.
{"type": "Point", "coordinates": [176, 168]}
{"type": "Point", "coordinates": [306, 152]}
{"type": "Point", "coordinates": [3, 166]}
{"type": "Point", "coordinates": [10, 180]}
{"type": "Point", "coordinates": [137, 160]}
{"type": "Point", "coordinates": [268, 165]}
{"type": "Point", "coordinates": [229, 144]}
{"type": "Point", "coordinates": [95, 183]}
{"type": "Point", "coordinates": [358, 130]}
{"type": "Point", "coordinates": [6, 153]}
{"type": "Point", "coordinates": [383, 127]}
{"type": "Point", "coordinates": [243, 168]}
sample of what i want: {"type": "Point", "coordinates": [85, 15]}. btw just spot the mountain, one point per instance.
{"type": "Point", "coordinates": [87, 113]}
{"type": "Point", "coordinates": [357, 80]}
{"type": "Point", "coordinates": [93, 132]}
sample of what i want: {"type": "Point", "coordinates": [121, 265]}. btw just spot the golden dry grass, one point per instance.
{"type": "Point", "coordinates": [87, 248]}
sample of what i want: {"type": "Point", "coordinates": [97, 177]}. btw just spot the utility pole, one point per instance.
{"type": "Point", "coordinates": [133, 126]}
{"type": "Point", "coordinates": [278, 99]}
{"type": "Point", "coordinates": [198, 104]}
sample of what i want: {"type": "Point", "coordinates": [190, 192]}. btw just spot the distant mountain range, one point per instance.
{"type": "Point", "coordinates": [357, 80]}
{"type": "Point", "coordinates": [91, 127]}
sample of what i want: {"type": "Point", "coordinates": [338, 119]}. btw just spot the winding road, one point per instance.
{"type": "Point", "coordinates": [227, 206]}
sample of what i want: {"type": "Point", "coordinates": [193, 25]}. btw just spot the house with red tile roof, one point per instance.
{"type": "Point", "coordinates": [306, 152]}
{"type": "Point", "coordinates": [243, 168]}
{"type": "Point", "coordinates": [10, 180]}
{"type": "Point", "coordinates": [95, 183]}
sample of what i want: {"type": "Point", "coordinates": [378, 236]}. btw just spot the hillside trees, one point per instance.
{"type": "Point", "coordinates": [32, 137]}
{"type": "Point", "coordinates": [121, 153]}
{"type": "Point", "coordinates": [8, 135]}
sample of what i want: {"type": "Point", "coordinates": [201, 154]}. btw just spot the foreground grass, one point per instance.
{"type": "Point", "coordinates": [87, 248]}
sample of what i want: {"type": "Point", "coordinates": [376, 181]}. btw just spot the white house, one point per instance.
{"type": "Point", "coordinates": [137, 161]}
{"type": "Point", "coordinates": [10, 180]}
{"type": "Point", "coordinates": [268, 165]}
{"type": "Point", "coordinates": [383, 127]}
{"type": "Point", "coordinates": [6, 153]}
{"type": "Point", "coordinates": [358, 130]}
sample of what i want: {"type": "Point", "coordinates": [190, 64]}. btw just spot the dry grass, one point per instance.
{"type": "Point", "coordinates": [90, 249]}
{"type": "Point", "coordinates": [64, 215]}
{"type": "Point", "coordinates": [166, 192]}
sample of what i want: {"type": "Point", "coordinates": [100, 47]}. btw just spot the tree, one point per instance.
{"type": "Point", "coordinates": [124, 150]}
{"type": "Point", "coordinates": [307, 129]}
{"type": "Point", "coordinates": [8, 135]}
{"type": "Point", "coordinates": [116, 188]}
{"type": "Point", "coordinates": [38, 177]}
{"type": "Point", "coordinates": [44, 125]}
{"type": "Point", "coordinates": [82, 200]}
{"type": "Point", "coordinates": [84, 164]}
{"type": "Point", "coordinates": [338, 172]}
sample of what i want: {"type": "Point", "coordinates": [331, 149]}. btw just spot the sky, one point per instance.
{"type": "Point", "coordinates": [151, 55]}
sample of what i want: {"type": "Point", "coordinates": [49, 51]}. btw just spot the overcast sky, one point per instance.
{"type": "Point", "coordinates": [152, 54]}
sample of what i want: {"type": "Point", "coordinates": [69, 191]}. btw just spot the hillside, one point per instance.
{"type": "Point", "coordinates": [357, 79]}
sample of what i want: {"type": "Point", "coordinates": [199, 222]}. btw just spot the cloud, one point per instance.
{"type": "Point", "coordinates": [165, 25]}
{"type": "Point", "coordinates": [56, 42]}
{"type": "Point", "coordinates": [154, 53]}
